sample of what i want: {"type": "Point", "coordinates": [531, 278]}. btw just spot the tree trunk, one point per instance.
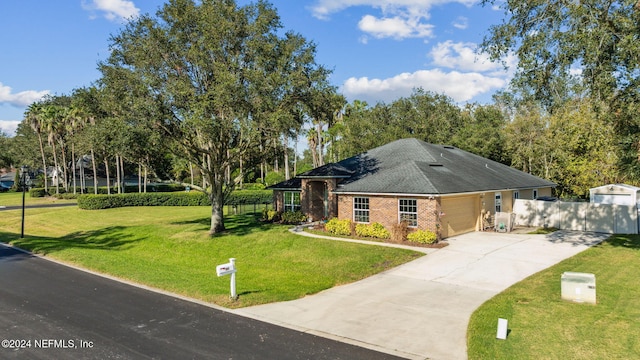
{"type": "Point", "coordinates": [204, 165]}
{"type": "Point", "coordinates": [73, 168]}
{"type": "Point", "coordinates": [287, 175]}
{"type": "Point", "coordinates": [227, 170]}
{"type": "Point", "coordinates": [217, 198]}
{"type": "Point", "coordinates": [139, 178]}
{"type": "Point", "coordinates": [320, 145]}
{"type": "Point", "coordinates": [191, 171]}
{"type": "Point", "coordinates": [122, 173]}
{"type": "Point", "coordinates": [118, 175]}
{"type": "Point", "coordinates": [217, 222]}
{"type": "Point", "coordinates": [95, 172]}
{"type": "Point", "coordinates": [64, 169]}
{"type": "Point", "coordinates": [82, 180]}
{"type": "Point", "coordinates": [55, 164]}
{"type": "Point", "coordinates": [313, 147]}
{"type": "Point", "coordinates": [241, 173]}
{"type": "Point", "coordinates": [44, 164]}
{"type": "Point", "coordinates": [276, 166]}
{"type": "Point", "coordinates": [261, 164]}
{"type": "Point", "coordinates": [106, 166]}
{"type": "Point", "coordinates": [295, 157]}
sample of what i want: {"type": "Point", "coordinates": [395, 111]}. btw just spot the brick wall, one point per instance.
{"type": "Point", "coordinates": [384, 209]}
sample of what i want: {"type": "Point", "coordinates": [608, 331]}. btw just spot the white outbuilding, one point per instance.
{"type": "Point", "coordinates": [619, 194]}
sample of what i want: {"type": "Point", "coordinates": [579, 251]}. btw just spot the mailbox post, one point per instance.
{"type": "Point", "coordinates": [229, 269]}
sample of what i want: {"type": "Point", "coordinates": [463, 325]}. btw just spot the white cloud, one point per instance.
{"type": "Point", "coordinates": [459, 86]}
{"type": "Point", "coordinates": [9, 126]}
{"type": "Point", "coordinates": [461, 23]}
{"type": "Point", "coordinates": [324, 8]}
{"type": "Point", "coordinates": [462, 56]}
{"type": "Point", "coordinates": [21, 99]}
{"type": "Point", "coordinates": [395, 27]}
{"type": "Point", "coordinates": [471, 75]}
{"type": "Point", "coordinates": [400, 18]}
{"type": "Point", "coordinates": [117, 10]}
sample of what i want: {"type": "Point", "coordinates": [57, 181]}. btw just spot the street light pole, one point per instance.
{"type": "Point", "coordinates": [23, 183]}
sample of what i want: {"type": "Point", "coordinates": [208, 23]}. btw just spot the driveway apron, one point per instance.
{"type": "Point", "coordinates": [421, 309]}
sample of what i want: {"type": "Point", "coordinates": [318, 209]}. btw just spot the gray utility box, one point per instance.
{"type": "Point", "coordinates": [578, 287]}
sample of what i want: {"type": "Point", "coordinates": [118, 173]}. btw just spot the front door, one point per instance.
{"type": "Point", "coordinates": [325, 200]}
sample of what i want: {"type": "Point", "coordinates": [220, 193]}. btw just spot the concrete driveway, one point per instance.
{"type": "Point", "coordinates": [421, 309]}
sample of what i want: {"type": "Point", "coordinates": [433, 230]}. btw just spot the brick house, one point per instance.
{"type": "Point", "coordinates": [433, 187]}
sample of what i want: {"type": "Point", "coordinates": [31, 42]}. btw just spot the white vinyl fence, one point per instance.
{"type": "Point", "coordinates": [602, 218]}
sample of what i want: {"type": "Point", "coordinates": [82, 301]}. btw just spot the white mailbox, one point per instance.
{"type": "Point", "coordinates": [225, 269]}
{"type": "Point", "coordinates": [229, 269]}
{"type": "Point", "coordinates": [578, 287]}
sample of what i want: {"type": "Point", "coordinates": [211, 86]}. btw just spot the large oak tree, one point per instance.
{"type": "Point", "coordinates": [206, 68]}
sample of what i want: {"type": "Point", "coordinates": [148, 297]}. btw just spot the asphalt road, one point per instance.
{"type": "Point", "coordinates": [16, 207]}
{"type": "Point", "coordinates": [50, 311]}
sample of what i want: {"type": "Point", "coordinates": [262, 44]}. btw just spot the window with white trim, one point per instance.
{"type": "Point", "coordinates": [408, 211]}
{"type": "Point", "coordinates": [361, 209]}
{"type": "Point", "coordinates": [291, 200]}
{"type": "Point", "coordinates": [498, 202]}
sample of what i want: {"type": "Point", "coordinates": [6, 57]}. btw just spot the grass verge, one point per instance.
{"type": "Point", "coordinates": [12, 198]}
{"type": "Point", "coordinates": [542, 326]}
{"type": "Point", "coordinates": [169, 248]}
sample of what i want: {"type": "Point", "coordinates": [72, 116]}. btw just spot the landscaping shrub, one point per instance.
{"type": "Point", "coordinates": [94, 202]}
{"type": "Point", "coordinates": [374, 230]}
{"type": "Point", "coordinates": [338, 227]}
{"type": "Point", "coordinates": [178, 198]}
{"type": "Point", "coordinates": [293, 217]}
{"type": "Point", "coordinates": [399, 231]}
{"type": "Point", "coordinates": [37, 192]}
{"type": "Point", "coordinates": [270, 215]}
{"type": "Point", "coordinates": [423, 237]}
{"type": "Point", "coordinates": [248, 197]}
{"type": "Point", "coordinates": [67, 196]}
{"type": "Point", "coordinates": [252, 186]}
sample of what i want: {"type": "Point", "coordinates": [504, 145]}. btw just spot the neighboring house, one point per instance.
{"type": "Point", "coordinates": [6, 181]}
{"type": "Point", "coordinates": [433, 187]}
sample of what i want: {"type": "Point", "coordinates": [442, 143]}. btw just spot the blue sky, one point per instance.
{"type": "Point", "coordinates": [379, 50]}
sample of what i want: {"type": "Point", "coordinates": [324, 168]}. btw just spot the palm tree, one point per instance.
{"type": "Point", "coordinates": [51, 118]}
{"type": "Point", "coordinates": [87, 101]}
{"type": "Point", "coordinates": [35, 118]}
{"type": "Point", "coordinates": [74, 122]}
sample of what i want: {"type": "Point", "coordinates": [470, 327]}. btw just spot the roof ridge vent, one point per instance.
{"type": "Point", "coordinates": [449, 147]}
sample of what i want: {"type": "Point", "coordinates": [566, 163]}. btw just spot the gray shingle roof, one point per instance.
{"type": "Point", "coordinates": [412, 166]}
{"type": "Point", "coordinates": [291, 184]}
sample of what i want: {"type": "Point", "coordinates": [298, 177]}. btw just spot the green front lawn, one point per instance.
{"type": "Point", "coordinates": [12, 198]}
{"type": "Point", "coordinates": [542, 326]}
{"type": "Point", "coordinates": [169, 248]}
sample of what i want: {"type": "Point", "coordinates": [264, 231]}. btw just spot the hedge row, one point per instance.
{"type": "Point", "coordinates": [39, 192]}
{"type": "Point", "coordinates": [94, 202]}
{"type": "Point", "coordinates": [192, 198]}
{"type": "Point", "coordinates": [249, 197]}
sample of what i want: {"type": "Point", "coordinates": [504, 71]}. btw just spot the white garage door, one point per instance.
{"type": "Point", "coordinates": [460, 215]}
